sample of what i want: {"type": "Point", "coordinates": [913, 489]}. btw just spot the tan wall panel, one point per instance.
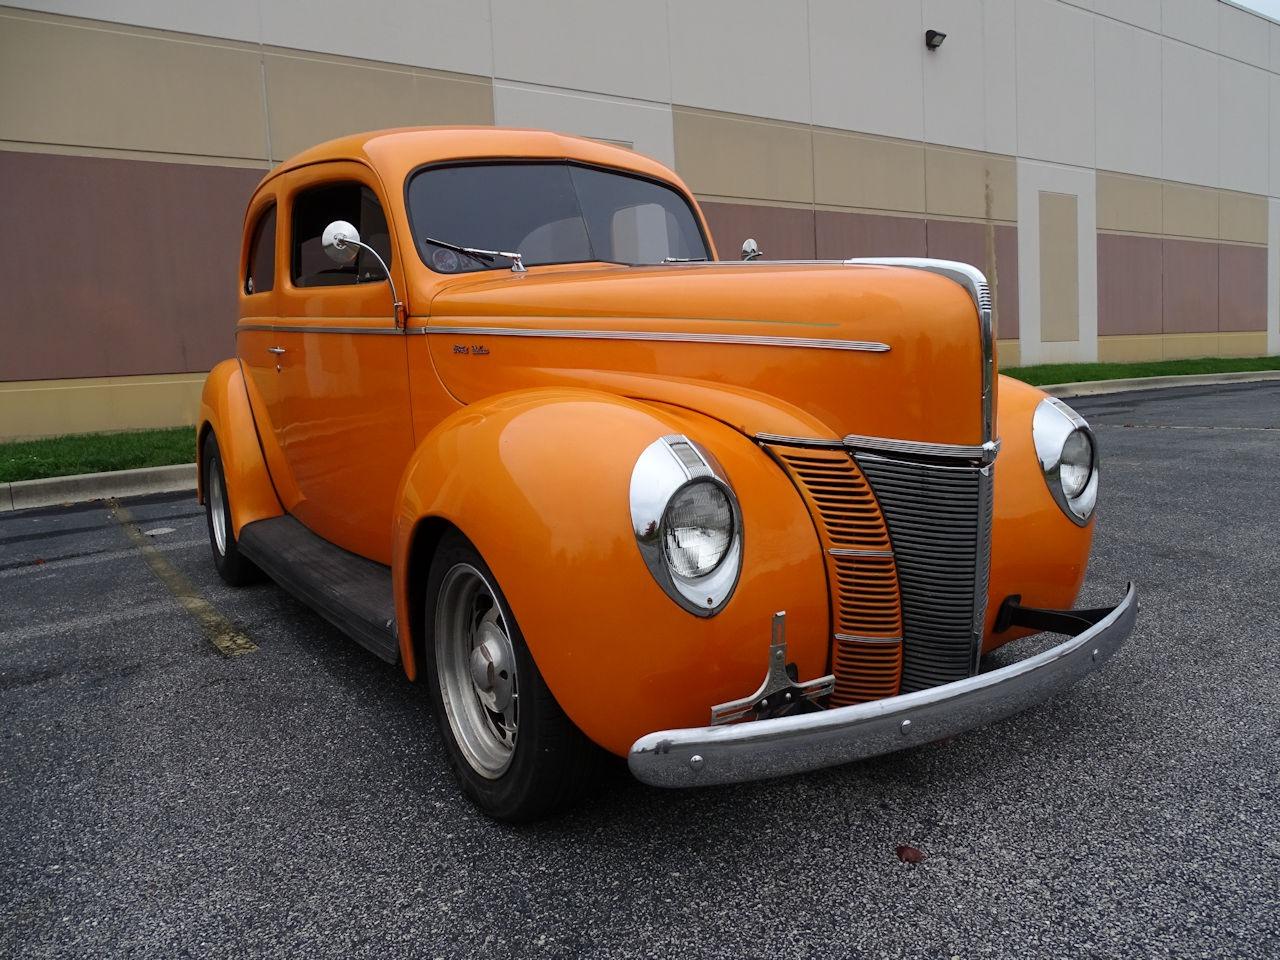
{"type": "Point", "coordinates": [1130, 349]}
{"type": "Point", "coordinates": [1182, 346]}
{"type": "Point", "coordinates": [311, 99]}
{"type": "Point", "coordinates": [1190, 211]}
{"type": "Point", "coordinates": [1253, 344]}
{"type": "Point", "coordinates": [963, 183]}
{"type": "Point", "coordinates": [1242, 216]}
{"type": "Point", "coordinates": [731, 156]}
{"type": "Point", "coordinates": [128, 90]}
{"type": "Point", "coordinates": [1130, 204]}
{"type": "Point", "coordinates": [1059, 268]}
{"type": "Point", "coordinates": [850, 170]}
{"type": "Point", "coordinates": [46, 408]}
{"type": "Point", "coordinates": [1008, 353]}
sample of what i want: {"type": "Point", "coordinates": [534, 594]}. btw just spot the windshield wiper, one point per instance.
{"type": "Point", "coordinates": [517, 262]}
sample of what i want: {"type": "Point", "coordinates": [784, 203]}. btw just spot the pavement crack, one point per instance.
{"type": "Point", "coordinates": [218, 629]}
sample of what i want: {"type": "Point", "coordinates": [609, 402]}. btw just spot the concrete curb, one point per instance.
{"type": "Point", "coordinates": [54, 491]}
{"type": "Point", "coordinates": [1094, 388]}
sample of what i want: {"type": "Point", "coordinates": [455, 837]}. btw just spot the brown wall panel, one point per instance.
{"type": "Point", "coordinates": [1242, 288]}
{"type": "Point", "coordinates": [1059, 268]}
{"type": "Point", "coordinates": [134, 265]}
{"type": "Point", "coordinates": [1006, 282]}
{"type": "Point", "coordinates": [842, 235]}
{"type": "Point", "coordinates": [968, 242]}
{"type": "Point", "coordinates": [784, 233]}
{"type": "Point", "coordinates": [1190, 286]}
{"type": "Point", "coordinates": [1130, 285]}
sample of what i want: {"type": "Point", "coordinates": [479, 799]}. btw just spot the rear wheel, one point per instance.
{"type": "Point", "coordinates": [232, 566]}
{"type": "Point", "coordinates": [515, 753]}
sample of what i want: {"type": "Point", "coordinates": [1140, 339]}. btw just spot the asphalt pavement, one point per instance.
{"type": "Point", "coordinates": [160, 798]}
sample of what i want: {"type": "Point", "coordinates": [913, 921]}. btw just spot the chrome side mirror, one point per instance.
{"type": "Point", "coordinates": [341, 241]}
{"type": "Point", "coordinates": [750, 249]}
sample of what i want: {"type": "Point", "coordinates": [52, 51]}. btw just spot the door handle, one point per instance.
{"type": "Point", "coordinates": [276, 350]}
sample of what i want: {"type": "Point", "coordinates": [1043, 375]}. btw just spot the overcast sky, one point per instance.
{"type": "Point", "coordinates": [1269, 7]}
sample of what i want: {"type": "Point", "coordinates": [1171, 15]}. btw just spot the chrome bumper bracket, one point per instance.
{"type": "Point", "coordinates": [778, 695]}
{"type": "Point", "coordinates": [759, 749]}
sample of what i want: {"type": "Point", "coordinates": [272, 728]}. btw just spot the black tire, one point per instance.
{"type": "Point", "coordinates": [552, 761]}
{"type": "Point", "coordinates": [232, 566]}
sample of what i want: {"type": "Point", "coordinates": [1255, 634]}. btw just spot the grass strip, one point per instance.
{"type": "Point", "coordinates": [1077, 372]}
{"type": "Point", "coordinates": [95, 453]}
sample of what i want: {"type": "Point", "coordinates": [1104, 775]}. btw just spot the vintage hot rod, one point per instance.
{"type": "Point", "coordinates": [500, 413]}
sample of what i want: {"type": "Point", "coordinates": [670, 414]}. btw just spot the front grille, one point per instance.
{"type": "Point", "coordinates": [865, 610]}
{"type": "Point", "coordinates": [939, 520]}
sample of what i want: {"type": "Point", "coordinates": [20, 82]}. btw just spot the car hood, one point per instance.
{"type": "Point", "coordinates": [808, 349]}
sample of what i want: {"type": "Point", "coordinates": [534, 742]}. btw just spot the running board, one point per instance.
{"type": "Point", "coordinates": [352, 593]}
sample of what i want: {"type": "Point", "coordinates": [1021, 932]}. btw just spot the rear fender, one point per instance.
{"type": "Point", "coordinates": [224, 411]}
{"type": "Point", "coordinates": [539, 481]}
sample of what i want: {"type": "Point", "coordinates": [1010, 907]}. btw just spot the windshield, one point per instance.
{"type": "Point", "coordinates": [548, 213]}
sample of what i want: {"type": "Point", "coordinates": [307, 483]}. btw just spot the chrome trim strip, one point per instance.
{"type": "Point", "coordinates": [807, 343]}
{"type": "Point", "coordinates": [985, 452]}
{"type": "Point", "coordinates": [982, 578]}
{"type": "Point", "coordinates": [849, 638]}
{"type": "Point", "coordinates": [296, 328]}
{"type": "Point", "coordinates": [759, 749]}
{"type": "Point", "coordinates": [848, 552]}
{"type": "Point", "coordinates": [797, 441]}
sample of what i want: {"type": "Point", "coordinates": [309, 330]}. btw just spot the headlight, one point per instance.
{"type": "Point", "coordinates": [697, 529]}
{"type": "Point", "coordinates": [687, 523]}
{"type": "Point", "coordinates": [1065, 446]}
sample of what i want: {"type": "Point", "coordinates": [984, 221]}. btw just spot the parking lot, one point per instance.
{"type": "Point", "coordinates": [160, 798]}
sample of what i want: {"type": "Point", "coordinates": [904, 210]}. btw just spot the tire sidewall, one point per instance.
{"type": "Point", "coordinates": [504, 795]}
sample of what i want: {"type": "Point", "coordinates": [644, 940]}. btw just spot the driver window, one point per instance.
{"type": "Point", "coordinates": [315, 209]}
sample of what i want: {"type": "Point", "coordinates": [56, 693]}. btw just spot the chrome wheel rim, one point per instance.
{"type": "Point", "coordinates": [217, 508]}
{"type": "Point", "coordinates": [476, 665]}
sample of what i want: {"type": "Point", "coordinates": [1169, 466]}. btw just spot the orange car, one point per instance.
{"type": "Point", "coordinates": [500, 413]}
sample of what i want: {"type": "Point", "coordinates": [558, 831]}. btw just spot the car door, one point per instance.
{"type": "Point", "coordinates": [261, 347]}
{"type": "Point", "coordinates": [349, 432]}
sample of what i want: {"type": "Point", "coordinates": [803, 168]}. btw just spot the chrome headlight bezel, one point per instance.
{"type": "Point", "coordinates": [1053, 423]}
{"type": "Point", "coordinates": [667, 466]}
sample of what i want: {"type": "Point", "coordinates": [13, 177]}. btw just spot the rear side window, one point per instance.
{"type": "Point", "coordinates": [315, 209]}
{"type": "Point", "coordinates": [261, 275]}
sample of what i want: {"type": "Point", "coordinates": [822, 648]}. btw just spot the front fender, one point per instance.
{"type": "Point", "coordinates": [1036, 551]}
{"type": "Point", "coordinates": [539, 481]}
{"type": "Point", "coordinates": [224, 409]}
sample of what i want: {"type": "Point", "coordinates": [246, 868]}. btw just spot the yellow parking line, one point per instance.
{"type": "Point", "coordinates": [229, 641]}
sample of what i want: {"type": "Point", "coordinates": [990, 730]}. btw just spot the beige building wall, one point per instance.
{"type": "Point", "coordinates": [821, 127]}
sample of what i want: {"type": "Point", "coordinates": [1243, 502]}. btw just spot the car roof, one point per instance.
{"type": "Point", "coordinates": [394, 153]}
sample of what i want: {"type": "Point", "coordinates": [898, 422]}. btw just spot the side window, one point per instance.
{"type": "Point", "coordinates": [315, 209]}
{"type": "Point", "coordinates": [261, 275]}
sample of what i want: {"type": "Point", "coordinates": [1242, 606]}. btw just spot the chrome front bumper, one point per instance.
{"type": "Point", "coordinates": [758, 749]}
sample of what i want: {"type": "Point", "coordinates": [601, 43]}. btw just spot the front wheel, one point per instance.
{"type": "Point", "coordinates": [515, 753]}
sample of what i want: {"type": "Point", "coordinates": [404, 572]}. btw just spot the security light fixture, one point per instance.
{"type": "Point", "coordinates": [933, 39]}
